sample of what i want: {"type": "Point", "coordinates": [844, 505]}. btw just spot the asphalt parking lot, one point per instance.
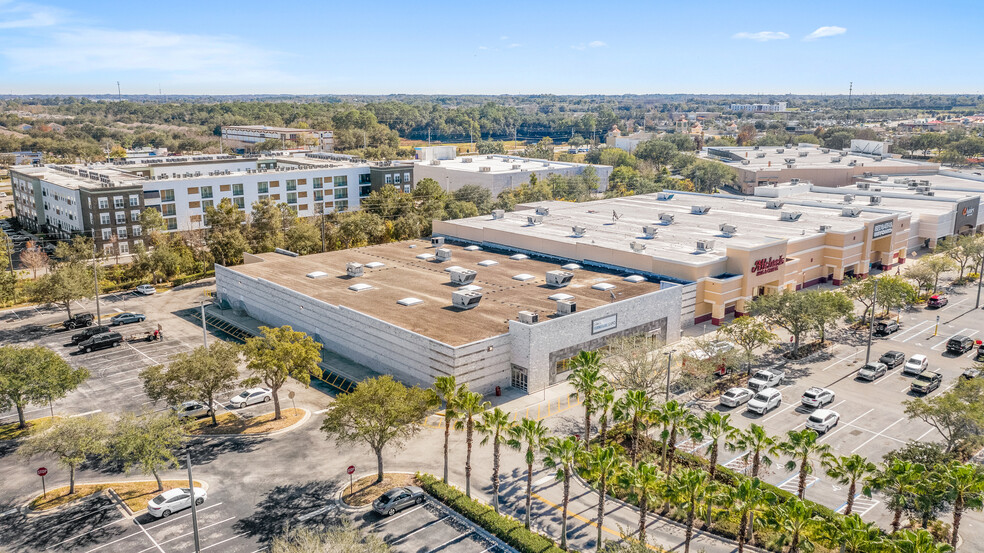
{"type": "Point", "coordinates": [430, 527]}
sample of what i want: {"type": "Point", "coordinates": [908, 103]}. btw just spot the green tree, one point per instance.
{"type": "Point", "coordinates": [897, 479]}
{"type": "Point", "coordinates": [225, 236]}
{"type": "Point", "coordinates": [200, 374]}
{"type": "Point", "coordinates": [675, 419]}
{"type": "Point", "coordinates": [490, 147]}
{"type": "Point", "coordinates": [957, 414]}
{"type": "Point", "coordinates": [758, 446]}
{"type": "Point", "coordinates": [633, 408]}
{"type": "Point", "coordinates": [788, 310]}
{"type": "Point", "coordinates": [749, 334]}
{"type": "Point", "coordinates": [469, 406]}
{"type": "Point", "coordinates": [709, 175]}
{"type": "Point", "coordinates": [715, 427]}
{"type": "Point", "coordinates": [586, 378]}
{"type": "Point", "coordinates": [455, 209]}
{"type": "Point", "coordinates": [152, 223]}
{"type": "Point", "coordinates": [67, 283]}
{"type": "Point", "coordinates": [265, 229]}
{"type": "Point", "coordinates": [303, 236]}
{"type": "Point", "coordinates": [658, 152]}
{"type": "Point", "coordinates": [278, 354]}
{"type": "Point", "coordinates": [826, 308]}
{"type": "Point", "coordinates": [936, 265]}
{"type": "Point", "coordinates": [636, 362]}
{"type": "Point", "coordinates": [921, 275]}
{"type": "Point", "coordinates": [479, 196]}
{"type": "Point", "coordinates": [448, 390]}
{"type": "Point", "coordinates": [690, 489]}
{"type": "Point", "coordinates": [380, 412]}
{"type": "Point", "coordinates": [853, 535]}
{"type": "Point", "coordinates": [964, 488]}
{"type": "Point", "coordinates": [648, 485]}
{"type": "Point", "coordinates": [530, 435]}
{"type": "Point", "coordinates": [605, 465]}
{"type": "Point", "coordinates": [604, 403]}
{"type": "Point", "coordinates": [78, 251]}
{"type": "Point", "coordinates": [792, 521]}
{"type": "Point", "coordinates": [564, 454]}
{"type": "Point", "coordinates": [963, 250]}
{"type": "Point", "coordinates": [147, 442]}
{"type": "Point", "coordinates": [849, 470]}
{"type": "Point", "coordinates": [72, 440]}
{"type": "Point", "coordinates": [543, 149]}
{"type": "Point", "coordinates": [495, 427]}
{"type": "Point", "coordinates": [919, 541]}
{"type": "Point", "coordinates": [35, 374]}
{"type": "Point", "coordinates": [746, 500]}
{"type": "Point", "coordinates": [804, 451]}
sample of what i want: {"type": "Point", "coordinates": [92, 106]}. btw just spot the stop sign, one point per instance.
{"type": "Point", "coordinates": [42, 471]}
{"type": "Point", "coordinates": [351, 469]}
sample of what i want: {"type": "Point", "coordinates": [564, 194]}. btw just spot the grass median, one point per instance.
{"type": "Point", "coordinates": [13, 431]}
{"type": "Point", "coordinates": [365, 490]}
{"type": "Point", "coordinates": [134, 494]}
{"type": "Point", "coordinates": [230, 423]}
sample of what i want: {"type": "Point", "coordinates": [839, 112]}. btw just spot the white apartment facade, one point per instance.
{"type": "Point", "coordinates": [778, 107]}
{"type": "Point", "coordinates": [252, 134]}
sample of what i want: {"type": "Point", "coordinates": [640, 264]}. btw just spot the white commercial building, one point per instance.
{"type": "Point", "coordinates": [760, 108]}
{"type": "Point", "coordinates": [252, 134]}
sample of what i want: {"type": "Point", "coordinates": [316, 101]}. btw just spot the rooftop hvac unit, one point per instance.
{"type": "Point", "coordinates": [651, 230]}
{"type": "Point", "coordinates": [666, 218]}
{"type": "Point", "coordinates": [464, 299]}
{"type": "Point", "coordinates": [559, 279]}
{"type": "Point", "coordinates": [760, 154]}
{"type": "Point", "coordinates": [515, 167]}
{"type": "Point", "coordinates": [867, 174]}
{"type": "Point", "coordinates": [794, 181]}
{"type": "Point", "coordinates": [848, 198]}
{"type": "Point", "coordinates": [498, 213]}
{"type": "Point", "coordinates": [700, 209]}
{"type": "Point", "coordinates": [664, 195]}
{"type": "Point", "coordinates": [354, 269]}
{"type": "Point", "coordinates": [930, 193]}
{"type": "Point", "coordinates": [705, 245]}
{"type": "Point", "coordinates": [774, 204]}
{"type": "Point", "coordinates": [463, 276]}
{"type": "Point", "coordinates": [790, 216]}
{"type": "Point", "coordinates": [534, 219]}
{"type": "Point", "coordinates": [437, 241]}
{"type": "Point", "coordinates": [924, 182]}
{"type": "Point", "coordinates": [755, 147]}
{"type": "Point", "coordinates": [489, 157]}
{"type": "Point", "coordinates": [825, 228]}
{"type": "Point", "coordinates": [566, 307]}
{"type": "Point", "coordinates": [728, 230]}
{"type": "Point", "coordinates": [804, 154]}
{"type": "Point", "coordinates": [546, 164]}
{"type": "Point", "coordinates": [882, 178]}
{"type": "Point", "coordinates": [853, 163]}
{"type": "Point", "coordinates": [780, 150]}
{"type": "Point", "coordinates": [850, 212]}
{"type": "Point", "coordinates": [789, 159]}
{"type": "Point", "coordinates": [579, 231]}
{"type": "Point", "coordinates": [843, 154]}
{"type": "Point", "coordinates": [485, 169]}
{"type": "Point", "coordinates": [745, 162]}
{"type": "Point", "coordinates": [864, 186]}
{"type": "Point", "coordinates": [638, 247]}
{"type": "Point", "coordinates": [443, 254]}
{"type": "Point", "coordinates": [529, 317]}
{"type": "Point", "coordinates": [466, 160]}
{"type": "Point", "coordinates": [835, 160]}
{"type": "Point", "coordinates": [825, 150]}
{"type": "Point", "coordinates": [435, 162]}
{"type": "Point", "coordinates": [874, 200]}
{"type": "Point", "coordinates": [543, 211]}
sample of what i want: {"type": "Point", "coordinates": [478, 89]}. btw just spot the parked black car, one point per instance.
{"type": "Point", "coordinates": [959, 345]}
{"type": "Point", "coordinates": [101, 341]}
{"type": "Point", "coordinates": [78, 321]}
{"type": "Point", "coordinates": [88, 333]}
{"type": "Point", "coordinates": [892, 359]}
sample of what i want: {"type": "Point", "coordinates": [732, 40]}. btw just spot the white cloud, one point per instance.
{"type": "Point", "coordinates": [514, 45]}
{"type": "Point", "coordinates": [22, 15]}
{"type": "Point", "coordinates": [503, 37]}
{"type": "Point", "coordinates": [823, 32]}
{"type": "Point", "coordinates": [483, 47]}
{"type": "Point", "coordinates": [596, 44]}
{"type": "Point", "coordinates": [761, 36]}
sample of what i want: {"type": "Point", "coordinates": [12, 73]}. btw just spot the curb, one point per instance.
{"type": "Point", "coordinates": [26, 508]}
{"type": "Point", "coordinates": [304, 419]}
{"type": "Point", "coordinates": [475, 527]}
{"type": "Point", "coordinates": [343, 506]}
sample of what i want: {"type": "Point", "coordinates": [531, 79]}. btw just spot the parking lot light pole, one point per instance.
{"type": "Point", "coordinates": [980, 277]}
{"type": "Point", "coordinates": [669, 364]}
{"type": "Point", "coordinates": [194, 507]}
{"type": "Point", "coordinates": [204, 332]}
{"type": "Point", "coordinates": [95, 276]}
{"type": "Point", "coordinates": [871, 322]}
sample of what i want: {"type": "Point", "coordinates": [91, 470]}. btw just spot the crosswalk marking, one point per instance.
{"type": "Point", "coordinates": [861, 507]}
{"type": "Point", "coordinates": [791, 484]}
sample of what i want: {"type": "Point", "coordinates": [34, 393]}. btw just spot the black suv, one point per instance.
{"type": "Point", "coordinates": [78, 320]}
{"type": "Point", "coordinates": [959, 345]}
{"type": "Point", "coordinates": [88, 333]}
{"type": "Point", "coordinates": [100, 341]}
{"type": "Point", "coordinates": [892, 359]}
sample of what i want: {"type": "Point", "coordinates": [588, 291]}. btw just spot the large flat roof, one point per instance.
{"type": "Point", "coordinates": [769, 158]}
{"type": "Point", "coordinates": [266, 128]}
{"type": "Point", "coordinates": [963, 182]}
{"type": "Point", "coordinates": [756, 225]}
{"type": "Point", "coordinates": [499, 164]}
{"type": "Point", "coordinates": [403, 275]}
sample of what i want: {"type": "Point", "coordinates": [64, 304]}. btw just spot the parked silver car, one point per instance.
{"type": "Point", "coordinates": [398, 499]}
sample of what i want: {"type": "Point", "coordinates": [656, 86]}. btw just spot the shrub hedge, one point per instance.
{"type": "Point", "coordinates": [506, 528]}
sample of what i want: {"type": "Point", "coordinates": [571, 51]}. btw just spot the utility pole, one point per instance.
{"type": "Point", "coordinates": [850, 93]}
{"type": "Point", "coordinates": [119, 92]}
{"type": "Point", "coordinates": [871, 322]}
{"type": "Point", "coordinates": [204, 332]}
{"type": "Point", "coordinates": [95, 276]}
{"type": "Point", "coordinates": [980, 277]}
{"type": "Point", "coordinates": [669, 365]}
{"type": "Point", "coordinates": [194, 501]}
{"type": "Point", "coordinates": [323, 228]}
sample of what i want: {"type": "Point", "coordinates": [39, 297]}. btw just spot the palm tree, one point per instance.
{"type": "Point", "coordinates": [964, 487]}
{"type": "Point", "coordinates": [758, 445]}
{"type": "Point", "coordinates": [674, 418]}
{"type": "Point", "coordinates": [920, 541]}
{"type": "Point", "coordinates": [563, 455]}
{"type": "Point", "coordinates": [747, 499]}
{"type": "Point", "coordinates": [532, 435]}
{"type": "Point", "coordinates": [648, 484]}
{"type": "Point", "coordinates": [853, 535]}
{"type": "Point", "coordinates": [849, 470]}
{"type": "Point", "coordinates": [715, 427]}
{"type": "Point", "coordinates": [686, 489]}
{"type": "Point", "coordinates": [604, 402]}
{"type": "Point", "coordinates": [470, 405]}
{"type": "Point", "coordinates": [494, 425]}
{"type": "Point", "coordinates": [631, 408]}
{"type": "Point", "coordinates": [586, 379]}
{"type": "Point", "coordinates": [929, 495]}
{"type": "Point", "coordinates": [802, 446]}
{"type": "Point", "coordinates": [791, 520]}
{"type": "Point", "coordinates": [898, 481]}
{"type": "Point", "coordinates": [448, 390]}
{"type": "Point", "coordinates": [605, 465]}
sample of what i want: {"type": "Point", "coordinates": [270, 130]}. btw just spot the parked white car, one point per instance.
{"type": "Point", "coordinates": [766, 378]}
{"type": "Point", "coordinates": [172, 501]}
{"type": "Point", "coordinates": [916, 364]}
{"type": "Point", "coordinates": [764, 401]}
{"type": "Point", "coordinates": [817, 397]}
{"type": "Point", "coordinates": [735, 397]}
{"type": "Point", "coordinates": [147, 289]}
{"type": "Point", "coordinates": [822, 420]}
{"type": "Point", "coordinates": [251, 397]}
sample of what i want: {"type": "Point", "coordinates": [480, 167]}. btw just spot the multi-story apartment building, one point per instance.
{"type": "Point", "coordinates": [252, 134]}
{"type": "Point", "coordinates": [760, 108]}
{"type": "Point", "coordinates": [62, 201]}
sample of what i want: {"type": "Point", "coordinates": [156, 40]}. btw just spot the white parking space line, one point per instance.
{"type": "Point", "coordinates": [87, 413]}
{"type": "Point", "coordinates": [117, 521]}
{"type": "Point", "coordinates": [544, 480]}
{"type": "Point", "coordinates": [791, 484]}
{"type": "Point", "coordinates": [870, 431]}
{"type": "Point", "coordinates": [187, 534]}
{"type": "Point", "coordinates": [879, 434]}
{"type": "Point", "coordinates": [777, 413]}
{"type": "Point", "coordinates": [862, 505]}
{"type": "Point", "coordinates": [456, 538]}
{"type": "Point", "coordinates": [128, 536]}
{"type": "Point", "coordinates": [912, 329]}
{"type": "Point", "coordinates": [223, 541]}
{"type": "Point", "coordinates": [841, 360]}
{"type": "Point", "coordinates": [421, 529]}
{"type": "Point", "coordinates": [9, 512]}
{"type": "Point", "coordinates": [882, 380]}
{"type": "Point", "coordinates": [312, 514]}
{"type": "Point", "coordinates": [391, 519]}
{"type": "Point", "coordinates": [924, 434]}
{"type": "Point", "coordinates": [179, 517]}
{"type": "Point", "coordinates": [151, 359]}
{"type": "Point", "coordinates": [152, 540]}
{"type": "Point", "coordinates": [839, 427]}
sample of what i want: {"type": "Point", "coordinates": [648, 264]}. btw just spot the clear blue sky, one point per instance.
{"type": "Point", "coordinates": [570, 47]}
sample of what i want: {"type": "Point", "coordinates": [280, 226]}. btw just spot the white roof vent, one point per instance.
{"type": "Point", "coordinates": [571, 267]}
{"type": "Point", "coordinates": [559, 279]}
{"type": "Point", "coordinates": [774, 204]}
{"type": "Point", "coordinates": [516, 166]}
{"type": "Point", "coordinates": [466, 160]}
{"type": "Point", "coordinates": [543, 211]}
{"type": "Point", "coordinates": [523, 277]}
{"type": "Point", "coordinates": [637, 247]}
{"type": "Point", "coordinates": [882, 178]}
{"type": "Point", "coordinates": [728, 230]}
{"type": "Point", "coordinates": [705, 245]}
{"type": "Point", "coordinates": [410, 301]}
{"type": "Point", "coordinates": [465, 300]}
{"type": "Point", "coordinates": [664, 195]}
{"type": "Point", "coordinates": [519, 256]}
{"type": "Point", "coordinates": [488, 263]}
{"type": "Point", "coordinates": [472, 248]}
{"type": "Point", "coordinates": [760, 154]}
{"type": "Point", "coordinates": [317, 274]}
{"type": "Point", "coordinates": [604, 286]}
{"type": "Point", "coordinates": [560, 296]}
{"type": "Point", "coordinates": [651, 230]}
{"type": "Point", "coordinates": [534, 219]}
{"type": "Point", "coordinates": [867, 174]}
{"type": "Point", "coordinates": [361, 287]}
{"type": "Point", "coordinates": [529, 317]}
{"type": "Point", "coordinates": [435, 162]}
{"type": "Point", "coordinates": [874, 200]}
{"type": "Point", "coordinates": [354, 269]}
{"type": "Point", "coordinates": [485, 169]}
{"type": "Point", "coordinates": [835, 160]}
{"type": "Point", "coordinates": [498, 213]}
{"type": "Point", "coordinates": [425, 256]}
{"type": "Point", "coordinates": [443, 254]}
{"type": "Point", "coordinates": [450, 268]}
{"type": "Point", "coordinates": [578, 231]}
{"type": "Point", "coordinates": [780, 150]}
{"type": "Point", "coordinates": [746, 162]}
{"type": "Point", "coordinates": [463, 276]}
{"type": "Point", "coordinates": [375, 265]}
{"type": "Point", "coordinates": [850, 212]}
{"type": "Point", "coordinates": [700, 209]}
{"type": "Point", "coordinates": [666, 218]}
{"type": "Point", "coordinates": [790, 216]}
{"type": "Point", "coordinates": [635, 279]}
{"type": "Point", "coordinates": [825, 150]}
{"type": "Point", "coordinates": [864, 185]}
{"type": "Point", "coordinates": [437, 241]}
{"type": "Point", "coordinates": [566, 307]}
{"type": "Point", "coordinates": [804, 154]}
{"type": "Point", "coordinates": [469, 288]}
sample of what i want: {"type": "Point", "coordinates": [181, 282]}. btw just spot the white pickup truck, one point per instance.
{"type": "Point", "coordinates": [766, 378]}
